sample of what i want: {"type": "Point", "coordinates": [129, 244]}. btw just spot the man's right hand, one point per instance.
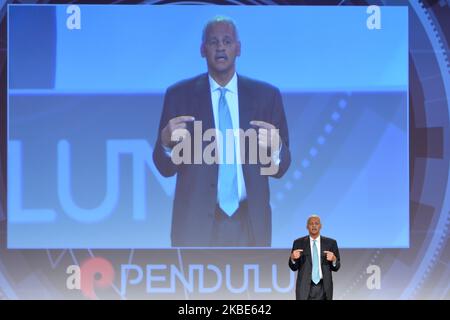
{"type": "Point", "coordinates": [172, 125]}
{"type": "Point", "coordinates": [296, 254]}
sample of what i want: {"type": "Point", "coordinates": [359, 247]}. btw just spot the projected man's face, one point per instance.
{"type": "Point", "coordinates": [314, 226]}
{"type": "Point", "coordinates": [220, 48]}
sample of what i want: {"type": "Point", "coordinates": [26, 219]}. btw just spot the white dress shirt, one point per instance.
{"type": "Point", "coordinates": [232, 98]}
{"type": "Point", "coordinates": [311, 242]}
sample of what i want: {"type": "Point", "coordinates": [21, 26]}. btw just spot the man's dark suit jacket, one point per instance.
{"type": "Point", "coordinates": [304, 266]}
{"type": "Point", "coordinates": [195, 199]}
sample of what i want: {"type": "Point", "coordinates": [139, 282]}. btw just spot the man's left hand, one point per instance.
{"type": "Point", "coordinates": [267, 136]}
{"type": "Point", "coordinates": [330, 256]}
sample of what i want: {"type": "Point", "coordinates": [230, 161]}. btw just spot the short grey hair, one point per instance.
{"type": "Point", "coordinates": [312, 216]}
{"type": "Point", "coordinates": [219, 19]}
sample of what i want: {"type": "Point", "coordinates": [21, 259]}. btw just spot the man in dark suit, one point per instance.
{"type": "Point", "coordinates": [314, 277]}
{"type": "Point", "coordinates": [218, 204]}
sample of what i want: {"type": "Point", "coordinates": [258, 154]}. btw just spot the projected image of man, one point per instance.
{"type": "Point", "coordinates": [222, 204]}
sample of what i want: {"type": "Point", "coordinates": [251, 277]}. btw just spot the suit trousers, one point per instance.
{"type": "Point", "coordinates": [231, 231]}
{"type": "Point", "coordinates": [316, 291]}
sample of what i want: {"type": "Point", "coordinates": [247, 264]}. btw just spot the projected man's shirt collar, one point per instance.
{"type": "Point", "coordinates": [231, 85]}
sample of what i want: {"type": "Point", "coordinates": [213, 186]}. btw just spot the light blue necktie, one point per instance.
{"type": "Point", "coordinates": [227, 187]}
{"type": "Point", "coordinates": [315, 270]}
